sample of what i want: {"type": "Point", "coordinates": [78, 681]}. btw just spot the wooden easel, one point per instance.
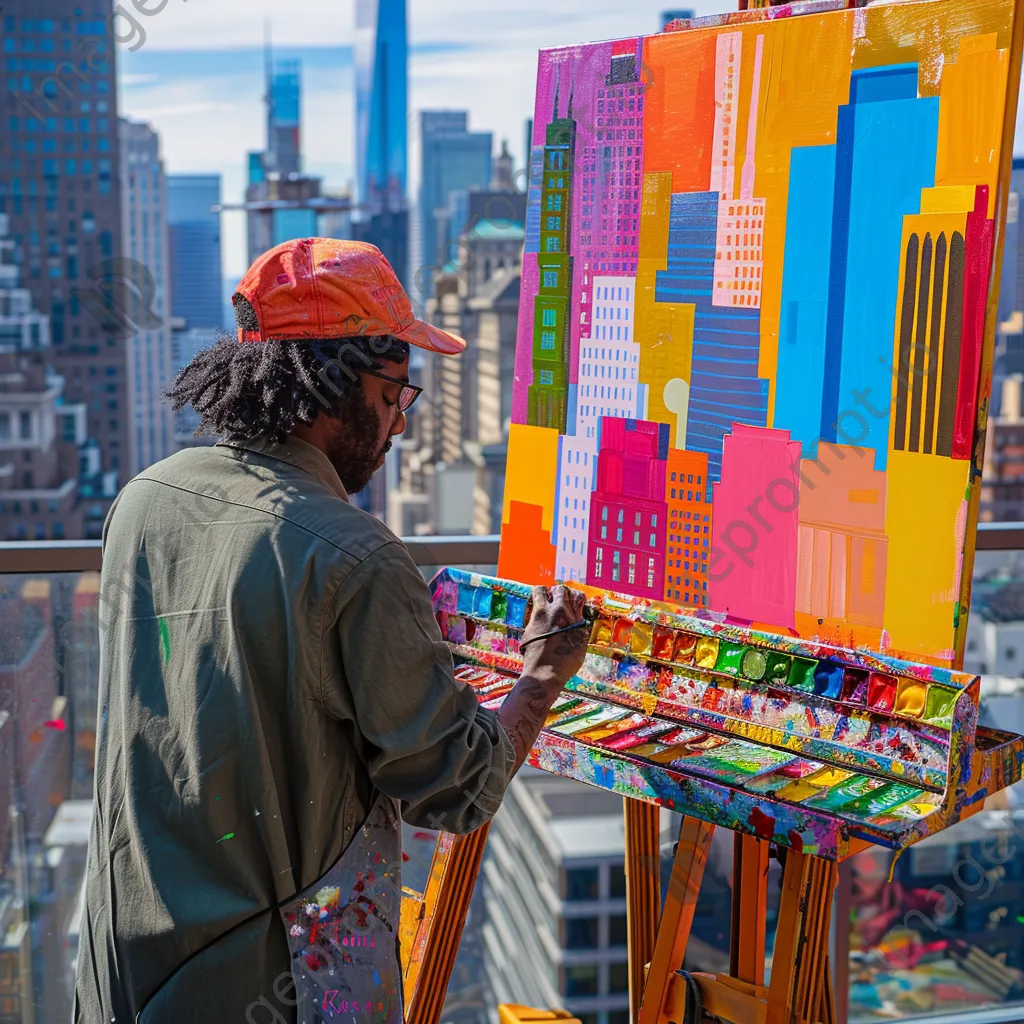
{"type": "Point", "coordinates": [801, 988]}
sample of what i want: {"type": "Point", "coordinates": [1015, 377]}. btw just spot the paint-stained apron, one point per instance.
{"type": "Point", "coordinates": [342, 930]}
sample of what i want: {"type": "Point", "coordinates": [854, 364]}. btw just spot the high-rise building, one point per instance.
{"type": "Point", "coordinates": [195, 254]}
{"type": "Point", "coordinates": [58, 184]}
{"type": "Point", "coordinates": [186, 344]}
{"type": "Point", "coordinates": [284, 148]}
{"type": "Point", "coordinates": [144, 242]}
{"type": "Point", "coordinates": [382, 130]}
{"type": "Point", "coordinates": [555, 893]}
{"type": "Point", "coordinates": [39, 434]}
{"type": "Point", "coordinates": [452, 159]}
{"type": "Point", "coordinates": [381, 103]}
{"type": "Point", "coordinates": [688, 497]}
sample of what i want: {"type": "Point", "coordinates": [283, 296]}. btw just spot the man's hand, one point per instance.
{"type": "Point", "coordinates": [556, 659]}
{"type": "Point", "coordinates": [547, 665]}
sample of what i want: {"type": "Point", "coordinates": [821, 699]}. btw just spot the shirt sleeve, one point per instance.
{"type": "Point", "coordinates": [425, 740]}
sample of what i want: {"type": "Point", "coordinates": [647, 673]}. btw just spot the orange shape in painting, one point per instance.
{"type": "Point", "coordinates": [527, 554]}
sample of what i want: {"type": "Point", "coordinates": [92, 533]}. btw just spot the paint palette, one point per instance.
{"type": "Point", "coordinates": [802, 743]}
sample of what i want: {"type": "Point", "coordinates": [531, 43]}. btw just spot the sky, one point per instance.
{"type": "Point", "coordinates": [198, 76]}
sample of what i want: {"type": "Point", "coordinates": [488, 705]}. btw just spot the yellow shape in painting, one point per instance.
{"type": "Point", "coordinates": [972, 94]}
{"type": "Point", "coordinates": [924, 502]}
{"type": "Point", "coordinates": [664, 330]}
{"type": "Point", "coordinates": [532, 470]}
{"type": "Point", "coordinates": [947, 199]}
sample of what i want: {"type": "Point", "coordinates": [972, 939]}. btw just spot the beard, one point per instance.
{"type": "Point", "coordinates": [356, 451]}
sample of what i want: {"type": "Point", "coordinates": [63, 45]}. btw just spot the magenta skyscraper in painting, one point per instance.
{"type": "Point", "coordinates": [628, 513]}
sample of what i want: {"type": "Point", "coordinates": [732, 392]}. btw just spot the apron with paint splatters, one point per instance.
{"type": "Point", "coordinates": [342, 930]}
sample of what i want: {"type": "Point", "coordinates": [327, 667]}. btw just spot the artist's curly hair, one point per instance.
{"type": "Point", "coordinates": [262, 389]}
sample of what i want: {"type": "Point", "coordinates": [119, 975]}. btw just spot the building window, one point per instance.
{"type": "Point", "coordinates": [617, 929]}
{"type": "Point", "coordinates": [25, 426]}
{"type": "Point", "coordinates": [604, 511]}
{"type": "Point", "coordinates": [549, 317]}
{"type": "Point", "coordinates": [554, 223]}
{"type": "Point", "coordinates": [618, 1017]}
{"type": "Point", "coordinates": [581, 980]}
{"type": "Point", "coordinates": [617, 881]}
{"type": "Point", "coordinates": [552, 244]}
{"type": "Point", "coordinates": [581, 933]}
{"type": "Point", "coordinates": [618, 978]}
{"type": "Point", "coordinates": [550, 278]}
{"type": "Point", "coordinates": [581, 884]}
{"type": "Point", "coordinates": [547, 377]}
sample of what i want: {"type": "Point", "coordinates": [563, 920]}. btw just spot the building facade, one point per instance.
{"type": "Point", "coordinates": [40, 433]}
{"type": "Point", "coordinates": [548, 394]}
{"type": "Point", "coordinates": [452, 159]}
{"type": "Point", "coordinates": [145, 244]}
{"type": "Point", "coordinates": [58, 184]}
{"type": "Point", "coordinates": [554, 892]}
{"type": "Point", "coordinates": [628, 511]}
{"type": "Point", "coordinates": [688, 497]}
{"type": "Point", "coordinates": [381, 103]}
{"type": "Point", "coordinates": [195, 249]}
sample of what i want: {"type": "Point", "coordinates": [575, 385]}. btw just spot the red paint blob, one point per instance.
{"type": "Point", "coordinates": [763, 824]}
{"type": "Point", "coordinates": [56, 723]}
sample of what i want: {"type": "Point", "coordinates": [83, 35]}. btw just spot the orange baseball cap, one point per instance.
{"type": "Point", "coordinates": [332, 288]}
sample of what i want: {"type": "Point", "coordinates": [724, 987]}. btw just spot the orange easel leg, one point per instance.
{"type": "Point", "coordinates": [677, 915]}
{"type": "Point", "coordinates": [643, 891]}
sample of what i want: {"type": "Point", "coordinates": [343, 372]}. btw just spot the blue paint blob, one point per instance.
{"type": "Point", "coordinates": [482, 603]}
{"type": "Point", "coordinates": [828, 679]}
{"type": "Point", "coordinates": [467, 596]}
{"type": "Point", "coordinates": [516, 611]}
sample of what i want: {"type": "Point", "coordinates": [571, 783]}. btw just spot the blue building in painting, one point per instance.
{"type": "Point", "coordinates": [194, 249]}
{"type": "Point", "coordinates": [724, 385]}
{"type": "Point", "coordinates": [381, 101]}
{"type": "Point", "coordinates": [886, 141]}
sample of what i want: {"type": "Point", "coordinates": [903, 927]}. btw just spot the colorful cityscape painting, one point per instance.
{"type": "Point", "coordinates": [754, 347]}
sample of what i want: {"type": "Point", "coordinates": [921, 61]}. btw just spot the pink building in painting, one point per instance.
{"type": "Point", "coordinates": [610, 178]}
{"type": "Point", "coordinates": [628, 512]}
{"type": "Point", "coordinates": [752, 570]}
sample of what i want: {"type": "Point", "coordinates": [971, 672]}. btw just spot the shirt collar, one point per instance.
{"type": "Point", "coordinates": [300, 454]}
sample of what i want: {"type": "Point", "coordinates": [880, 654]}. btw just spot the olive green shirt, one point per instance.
{"type": "Point", "coordinates": [269, 664]}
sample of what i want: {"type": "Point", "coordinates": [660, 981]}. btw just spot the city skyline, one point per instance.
{"type": "Point", "coordinates": [206, 101]}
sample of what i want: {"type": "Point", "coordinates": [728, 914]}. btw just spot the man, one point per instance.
{"type": "Point", "coordinates": [274, 690]}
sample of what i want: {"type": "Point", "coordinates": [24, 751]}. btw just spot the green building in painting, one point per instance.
{"type": "Point", "coordinates": [547, 395]}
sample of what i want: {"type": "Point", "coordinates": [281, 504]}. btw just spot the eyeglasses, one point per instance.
{"type": "Point", "coordinates": [408, 394]}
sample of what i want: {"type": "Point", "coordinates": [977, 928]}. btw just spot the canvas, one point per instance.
{"type": "Point", "coordinates": [754, 346]}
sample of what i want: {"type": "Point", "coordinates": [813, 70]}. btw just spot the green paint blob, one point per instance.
{"type": "Point", "coordinates": [938, 708]}
{"type": "Point", "coordinates": [729, 657]}
{"type": "Point", "coordinates": [801, 675]}
{"type": "Point", "coordinates": [230, 835]}
{"type": "Point", "coordinates": [165, 640]}
{"type": "Point", "coordinates": [499, 609]}
{"type": "Point", "coordinates": [778, 668]}
{"type": "Point", "coordinates": [754, 663]}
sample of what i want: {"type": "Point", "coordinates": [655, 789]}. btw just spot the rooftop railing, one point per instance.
{"type": "Point", "coordinates": [39, 556]}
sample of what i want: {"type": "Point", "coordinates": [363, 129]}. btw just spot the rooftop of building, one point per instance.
{"type": "Point", "coordinates": [498, 230]}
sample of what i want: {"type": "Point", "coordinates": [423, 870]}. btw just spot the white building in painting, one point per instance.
{"type": "Point", "coordinates": [577, 468]}
{"type": "Point", "coordinates": [609, 358]}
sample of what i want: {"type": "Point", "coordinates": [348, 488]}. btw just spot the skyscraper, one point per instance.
{"type": "Point", "coordinates": [195, 256]}
{"type": "Point", "coordinates": [58, 185]}
{"type": "Point", "coordinates": [452, 159]}
{"type": "Point", "coordinates": [381, 102]}
{"type": "Point", "coordinates": [144, 220]}
{"type": "Point", "coordinates": [284, 149]}
{"type": "Point", "coordinates": [382, 129]}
